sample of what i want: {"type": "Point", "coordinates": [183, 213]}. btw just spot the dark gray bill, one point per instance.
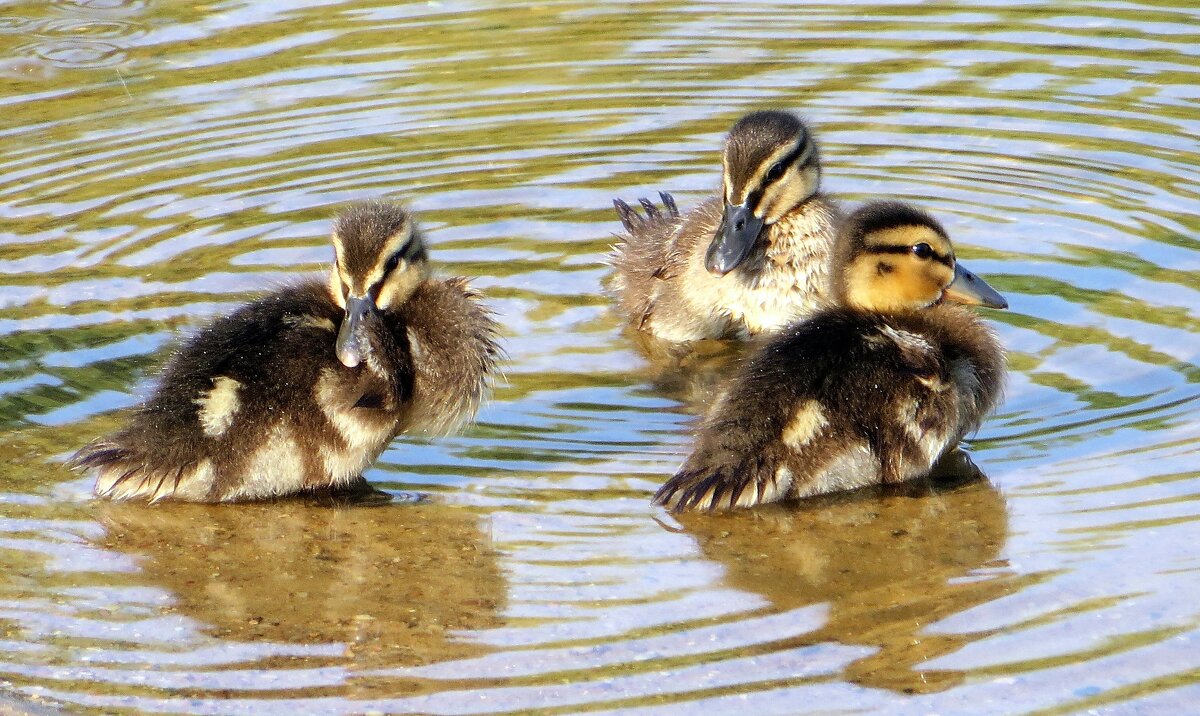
{"type": "Point", "coordinates": [970, 289]}
{"type": "Point", "coordinates": [351, 342]}
{"type": "Point", "coordinates": [735, 237]}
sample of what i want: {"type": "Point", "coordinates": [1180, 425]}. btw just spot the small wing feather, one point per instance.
{"type": "Point", "coordinates": [669, 204]}
{"type": "Point", "coordinates": [634, 222]}
{"type": "Point", "coordinates": [629, 216]}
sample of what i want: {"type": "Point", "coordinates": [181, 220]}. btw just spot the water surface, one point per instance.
{"type": "Point", "coordinates": [159, 164]}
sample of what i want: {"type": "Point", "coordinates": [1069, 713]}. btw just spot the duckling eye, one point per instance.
{"type": "Point", "coordinates": [922, 250]}
{"type": "Point", "coordinates": [392, 263]}
{"type": "Point", "coordinates": [775, 171]}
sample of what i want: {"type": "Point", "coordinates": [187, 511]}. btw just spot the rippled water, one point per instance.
{"type": "Point", "coordinates": [159, 164]}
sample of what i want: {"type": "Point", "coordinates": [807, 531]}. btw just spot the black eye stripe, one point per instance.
{"type": "Point", "coordinates": [409, 250]}
{"type": "Point", "coordinates": [947, 260]}
{"type": "Point", "coordinates": [786, 162]}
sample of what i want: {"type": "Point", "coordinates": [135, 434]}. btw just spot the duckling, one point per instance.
{"type": "Point", "coordinates": [748, 261]}
{"type": "Point", "coordinates": [302, 389]}
{"type": "Point", "coordinates": [873, 390]}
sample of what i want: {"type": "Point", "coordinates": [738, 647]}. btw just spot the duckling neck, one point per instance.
{"type": "Point", "coordinates": [797, 246]}
{"type": "Point", "coordinates": [787, 276]}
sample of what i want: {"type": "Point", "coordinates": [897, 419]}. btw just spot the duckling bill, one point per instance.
{"type": "Point", "coordinates": [301, 390]}
{"type": "Point", "coordinates": [748, 261]}
{"type": "Point", "coordinates": [874, 390]}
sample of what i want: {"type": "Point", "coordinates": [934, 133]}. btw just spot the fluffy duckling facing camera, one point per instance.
{"type": "Point", "coordinates": [873, 391]}
{"type": "Point", "coordinates": [301, 390]}
{"type": "Point", "coordinates": [751, 260]}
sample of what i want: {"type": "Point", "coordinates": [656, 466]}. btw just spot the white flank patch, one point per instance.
{"type": "Point", "coordinates": [132, 488]}
{"type": "Point", "coordinates": [197, 482]}
{"type": "Point", "coordinates": [193, 485]}
{"type": "Point", "coordinates": [276, 468]}
{"type": "Point", "coordinates": [778, 488]}
{"type": "Point", "coordinates": [219, 406]}
{"type": "Point", "coordinates": [855, 467]}
{"type": "Point", "coordinates": [749, 496]}
{"type": "Point", "coordinates": [806, 423]}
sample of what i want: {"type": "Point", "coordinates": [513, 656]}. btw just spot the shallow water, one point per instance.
{"type": "Point", "coordinates": [159, 164]}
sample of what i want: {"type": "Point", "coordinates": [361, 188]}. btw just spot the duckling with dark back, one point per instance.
{"type": "Point", "coordinates": [874, 390]}
{"type": "Point", "coordinates": [748, 261]}
{"type": "Point", "coordinates": [301, 390]}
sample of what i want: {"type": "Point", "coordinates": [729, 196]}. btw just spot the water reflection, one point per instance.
{"type": "Point", "coordinates": [691, 374]}
{"type": "Point", "coordinates": [394, 583]}
{"type": "Point", "coordinates": [887, 562]}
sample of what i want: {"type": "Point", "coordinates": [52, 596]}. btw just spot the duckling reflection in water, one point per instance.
{"type": "Point", "coordinates": [873, 391]}
{"type": "Point", "coordinates": [886, 563]}
{"type": "Point", "coordinates": [395, 586]}
{"type": "Point", "coordinates": [302, 389]}
{"type": "Point", "coordinates": [751, 260]}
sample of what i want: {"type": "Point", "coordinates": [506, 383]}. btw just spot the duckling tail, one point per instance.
{"type": "Point", "coordinates": [125, 474]}
{"type": "Point", "coordinates": [724, 485]}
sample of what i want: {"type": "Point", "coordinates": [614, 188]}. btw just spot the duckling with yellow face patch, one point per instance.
{"type": "Point", "coordinates": [301, 390]}
{"type": "Point", "coordinates": [748, 261]}
{"type": "Point", "coordinates": [873, 391]}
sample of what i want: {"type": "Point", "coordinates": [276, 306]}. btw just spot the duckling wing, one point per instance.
{"type": "Point", "coordinates": [641, 256]}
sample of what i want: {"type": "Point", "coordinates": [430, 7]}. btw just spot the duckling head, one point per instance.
{"type": "Point", "coordinates": [770, 166]}
{"type": "Point", "coordinates": [380, 260]}
{"type": "Point", "coordinates": [893, 257]}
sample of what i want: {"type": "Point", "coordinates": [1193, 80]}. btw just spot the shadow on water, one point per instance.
{"type": "Point", "coordinates": [887, 562]}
